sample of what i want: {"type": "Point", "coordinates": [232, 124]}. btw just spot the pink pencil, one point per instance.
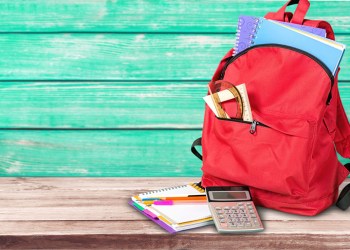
{"type": "Point", "coordinates": [184, 202]}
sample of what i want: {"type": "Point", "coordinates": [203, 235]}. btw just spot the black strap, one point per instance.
{"type": "Point", "coordinates": [197, 142]}
{"type": "Point", "coordinates": [343, 201]}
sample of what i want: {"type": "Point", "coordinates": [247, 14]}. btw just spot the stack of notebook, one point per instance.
{"type": "Point", "coordinates": [257, 31]}
{"type": "Point", "coordinates": [178, 216]}
{"type": "Point", "coordinates": [248, 26]}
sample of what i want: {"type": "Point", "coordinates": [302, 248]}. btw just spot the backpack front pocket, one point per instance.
{"type": "Point", "coordinates": [262, 159]}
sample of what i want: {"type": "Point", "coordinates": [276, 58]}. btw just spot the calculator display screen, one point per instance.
{"type": "Point", "coordinates": [229, 195]}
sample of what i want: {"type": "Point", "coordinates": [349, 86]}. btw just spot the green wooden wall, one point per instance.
{"type": "Point", "coordinates": [114, 88]}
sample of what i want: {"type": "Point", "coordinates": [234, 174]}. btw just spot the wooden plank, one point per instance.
{"type": "Point", "coordinates": [94, 199]}
{"type": "Point", "coordinates": [98, 153]}
{"type": "Point", "coordinates": [118, 56]}
{"type": "Point", "coordinates": [180, 241]}
{"type": "Point", "coordinates": [133, 184]}
{"type": "Point", "coordinates": [69, 226]}
{"type": "Point", "coordinates": [108, 104]}
{"type": "Point", "coordinates": [150, 16]}
{"type": "Point", "coordinates": [93, 153]}
{"type": "Point", "coordinates": [102, 104]}
{"type": "Point", "coordinates": [146, 227]}
{"type": "Point", "coordinates": [110, 205]}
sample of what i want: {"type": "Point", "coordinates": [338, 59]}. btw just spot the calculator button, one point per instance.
{"type": "Point", "coordinates": [222, 221]}
{"type": "Point", "coordinates": [248, 224]}
{"type": "Point", "coordinates": [227, 208]}
{"type": "Point", "coordinates": [251, 211]}
{"type": "Point", "coordinates": [253, 215]}
{"type": "Point", "coordinates": [218, 208]}
{"type": "Point", "coordinates": [221, 216]}
{"type": "Point", "coordinates": [244, 216]}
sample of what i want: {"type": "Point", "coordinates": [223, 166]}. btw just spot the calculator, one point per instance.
{"type": "Point", "coordinates": [233, 210]}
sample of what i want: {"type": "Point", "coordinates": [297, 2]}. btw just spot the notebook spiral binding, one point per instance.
{"type": "Point", "coordinates": [198, 186]}
{"type": "Point", "coordinates": [256, 28]}
{"type": "Point", "coordinates": [194, 185]}
{"type": "Point", "coordinates": [245, 40]}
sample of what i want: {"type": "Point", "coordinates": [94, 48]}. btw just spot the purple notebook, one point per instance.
{"type": "Point", "coordinates": [153, 217]}
{"type": "Point", "coordinates": [248, 25]}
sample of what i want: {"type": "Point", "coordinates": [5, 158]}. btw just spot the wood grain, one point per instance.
{"type": "Point", "coordinates": [98, 153]}
{"type": "Point", "coordinates": [180, 241]}
{"type": "Point", "coordinates": [150, 16]}
{"type": "Point", "coordinates": [102, 104]}
{"type": "Point", "coordinates": [152, 57]}
{"type": "Point", "coordinates": [54, 213]}
{"type": "Point", "coordinates": [171, 105]}
{"type": "Point", "coordinates": [105, 199]}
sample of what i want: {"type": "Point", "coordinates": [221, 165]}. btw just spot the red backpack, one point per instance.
{"type": "Point", "coordinates": [288, 154]}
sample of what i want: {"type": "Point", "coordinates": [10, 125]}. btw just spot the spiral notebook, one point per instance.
{"type": "Point", "coordinates": [247, 26]}
{"type": "Point", "coordinates": [327, 51]}
{"type": "Point", "coordinates": [187, 189]}
{"type": "Point", "coordinates": [175, 218]}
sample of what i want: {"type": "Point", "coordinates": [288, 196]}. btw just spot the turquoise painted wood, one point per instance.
{"type": "Point", "coordinates": [119, 56]}
{"type": "Point", "coordinates": [98, 153]}
{"type": "Point", "coordinates": [122, 105]}
{"type": "Point", "coordinates": [102, 104]}
{"type": "Point", "coordinates": [114, 88]}
{"type": "Point", "coordinates": [140, 16]}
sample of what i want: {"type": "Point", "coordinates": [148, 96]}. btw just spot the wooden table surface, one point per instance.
{"type": "Point", "coordinates": [82, 213]}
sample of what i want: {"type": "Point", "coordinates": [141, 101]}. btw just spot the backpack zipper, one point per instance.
{"type": "Point", "coordinates": [253, 125]}
{"type": "Point", "coordinates": [325, 68]}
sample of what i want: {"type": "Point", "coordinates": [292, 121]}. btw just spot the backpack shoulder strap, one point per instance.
{"type": "Point", "coordinates": [342, 131]}
{"type": "Point", "coordinates": [198, 141]}
{"type": "Point", "coordinates": [323, 25]}
{"type": "Point", "coordinates": [342, 144]}
{"type": "Point", "coordinates": [343, 201]}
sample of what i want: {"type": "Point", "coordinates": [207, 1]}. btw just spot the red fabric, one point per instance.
{"type": "Point", "coordinates": [299, 14]}
{"type": "Point", "coordinates": [291, 165]}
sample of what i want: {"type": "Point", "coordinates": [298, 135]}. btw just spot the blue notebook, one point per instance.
{"type": "Point", "coordinates": [247, 26]}
{"type": "Point", "coordinates": [326, 50]}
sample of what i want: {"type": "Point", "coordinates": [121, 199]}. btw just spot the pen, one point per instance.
{"type": "Point", "coordinates": [188, 202]}
{"type": "Point", "coordinates": [187, 197]}
{"type": "Point", "coordinates": [192, 198]}
{"type": "Point", "coordinates": [169, 201]}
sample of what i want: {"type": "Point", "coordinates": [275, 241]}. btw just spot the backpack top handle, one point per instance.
{"type": "Point", "coordinates": [299, 14]}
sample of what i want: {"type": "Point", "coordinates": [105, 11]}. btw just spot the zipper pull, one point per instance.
{"type": "Point", "coordinates": [253, 127]}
